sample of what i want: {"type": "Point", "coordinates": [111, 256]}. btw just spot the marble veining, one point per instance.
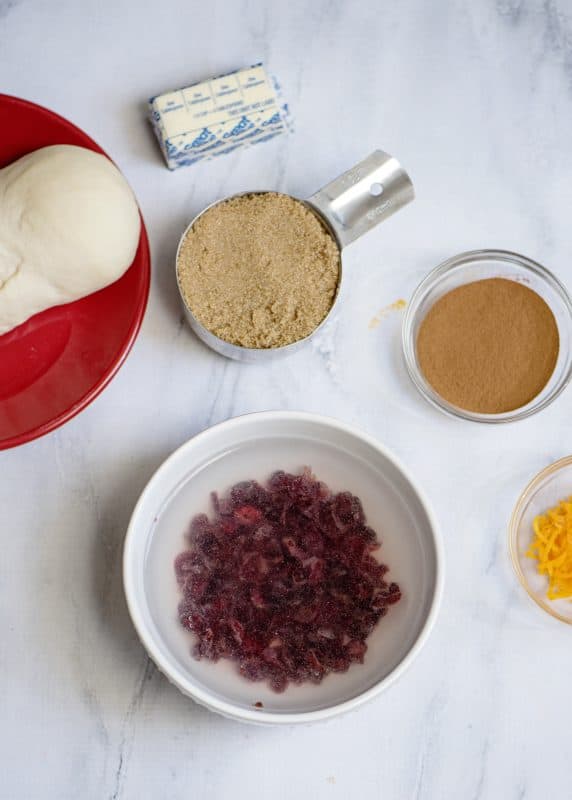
{"type": "Point", "coordinates": [475, 99]}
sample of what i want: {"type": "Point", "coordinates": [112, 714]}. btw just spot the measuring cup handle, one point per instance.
{"type": "Point", "coordinates": [364, 196]}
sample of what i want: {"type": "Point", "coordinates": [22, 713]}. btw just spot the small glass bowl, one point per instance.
{"type": "Point", "coordinates": [474, 266]}
{"type": "Point", "coordinates": [544, 491]}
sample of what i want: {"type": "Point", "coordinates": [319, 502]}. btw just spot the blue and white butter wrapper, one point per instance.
{"type": "Point", "coordinates": [219, 115]}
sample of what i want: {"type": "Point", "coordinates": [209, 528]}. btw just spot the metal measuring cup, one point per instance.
{"type": "Point", "coordinates": [348, 207]}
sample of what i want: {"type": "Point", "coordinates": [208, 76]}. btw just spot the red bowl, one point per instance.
{"type": "Point", "coordinates": [56, 363]}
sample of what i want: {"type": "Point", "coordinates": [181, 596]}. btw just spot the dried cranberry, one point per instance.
{"type": "Point", "coordinates": [282, 580]}
{"type": "Point", "coordinates": [247, 515]}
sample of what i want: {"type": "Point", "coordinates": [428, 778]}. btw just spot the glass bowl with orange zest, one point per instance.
{"type": "Point", "coordinates": [540, 539]}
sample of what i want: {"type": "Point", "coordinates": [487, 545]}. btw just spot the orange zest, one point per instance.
{"type": "Point", "coordinates": [552, 548]}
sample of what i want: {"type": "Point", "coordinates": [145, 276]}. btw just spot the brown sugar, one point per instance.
{"type": "Point", "coordinates": [259, 270]}
{"type": "Point", "coordinates": [488, 346]}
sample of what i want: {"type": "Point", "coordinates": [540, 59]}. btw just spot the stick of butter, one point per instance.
{"type": "Point", "coordinates": [218, 115]}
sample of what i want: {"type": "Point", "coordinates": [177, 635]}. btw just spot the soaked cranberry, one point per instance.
{"type": "Point", "coordinates": [282, 580]}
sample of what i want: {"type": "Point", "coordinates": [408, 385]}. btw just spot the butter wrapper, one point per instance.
{"type": "Point", "coordinates": [218, 116]}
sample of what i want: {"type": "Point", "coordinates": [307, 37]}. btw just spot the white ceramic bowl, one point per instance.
{"type": "Point", "coordinates": [254, 446]}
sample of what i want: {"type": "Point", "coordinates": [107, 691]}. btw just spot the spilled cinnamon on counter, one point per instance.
{"type": "Point", "coordinates": [489, 346]}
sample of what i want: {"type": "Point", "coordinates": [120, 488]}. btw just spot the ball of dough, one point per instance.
{"type": "Point", "coordinates": [69, 226]}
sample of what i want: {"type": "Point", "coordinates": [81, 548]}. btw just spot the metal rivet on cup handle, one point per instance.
{"type": "Point", "coordinates": [350, 206]}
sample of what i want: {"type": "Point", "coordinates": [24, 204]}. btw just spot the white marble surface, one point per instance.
{"type": "Point", "coordinates": [476, 101]}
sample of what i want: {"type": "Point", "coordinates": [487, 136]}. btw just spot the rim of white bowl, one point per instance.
{"type": "Point", "coordinates": [205, 698]}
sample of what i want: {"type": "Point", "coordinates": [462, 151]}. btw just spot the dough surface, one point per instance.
{"type": "Point", "coordinates": [69, 226]}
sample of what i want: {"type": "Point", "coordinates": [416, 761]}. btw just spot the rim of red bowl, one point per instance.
{"type": "Point", "coordinates": [125, 349]}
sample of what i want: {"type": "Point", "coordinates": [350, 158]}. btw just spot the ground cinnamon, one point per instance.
{"type": "Point", "coordinates": [489, 346]}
